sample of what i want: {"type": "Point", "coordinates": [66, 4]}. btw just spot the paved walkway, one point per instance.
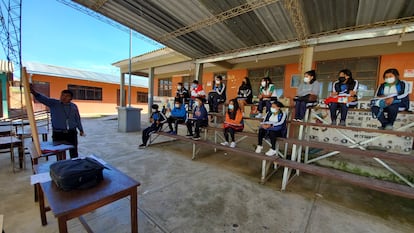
{"type": "Point", "coordinates": [215, 193]}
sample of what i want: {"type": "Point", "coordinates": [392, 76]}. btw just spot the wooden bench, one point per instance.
{"type": "Point", "coordinates": [295, 164]}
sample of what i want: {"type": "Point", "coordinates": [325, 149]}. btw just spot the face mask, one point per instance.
{"type": "Point", "coordinates": [154, 110]}
{"type": "Point", "coordinates": [306, 79]}
{"type": "Point", "coordinates": [194, 85]}
{"type": "Point", "coordinates": [217, 81]}
{"type": "Point", "coordinates": [231, 106]}
{"type": "Point", "coordinates": [179, 87]}
{"type": "Point", "coordinates": [273, 110]}
{"type": "Point", "coordinates": [263, 84]}
{"type": "Point", "coordinates": [390, 80]}
{"type": "Point", "coordinates": [177, 105]}
{"type": "Point", "coordinates": [341, 79]}
{"type": "Point", "coordinates": [196, 103]}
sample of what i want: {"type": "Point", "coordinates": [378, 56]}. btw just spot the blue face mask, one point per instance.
{"type": "Point", "coordinates": [273, 110]}
{"type": "Point", "coordinates": [194, 85]}
{"type": "Point", "coordinates": [231, 106]}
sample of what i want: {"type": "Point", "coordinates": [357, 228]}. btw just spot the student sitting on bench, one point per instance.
{"type": "Point", "coordinates": [273, 126]}
{"type": "Point", "coordinates": [307, 92]}
{"type": "Point", "coordinates": [233, 122]}
{"type": "Point", "coordinates": [217, 95]}
{"type": "Point", "coordinates": [391, 96]}
{"type": "Point", "coordinates": [157, 119]}
{"type": "Point", "coordinates": [177, 115]}
{"type": "Point", "coordinates": [199, 119]}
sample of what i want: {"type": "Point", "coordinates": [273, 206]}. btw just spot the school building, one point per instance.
{"type": "Point", "coordinates": [95, 94]}
{"type": "Point", "coordinates": [367, 59]}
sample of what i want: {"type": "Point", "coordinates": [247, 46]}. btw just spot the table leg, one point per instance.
{"type": "Point", "coordinates": [63, 227]}
{"type": "Point", "coordinates": [41, 204]}
{"type": "Point", "coordinates": [134, 211]}
{"type": "Point", "coordinates": [21, 154]}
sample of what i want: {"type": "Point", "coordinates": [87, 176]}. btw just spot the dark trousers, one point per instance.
{"type": "Point", "coordinates": [228, 131]}
{"type": "Point", "coordinates": [214, 100]}
{"type": "Point", "coordinates": [146, 132]}
{"type": "Point", "coordinates": [176, 121]}
{"type": "Point", "coordinates": [392, 112]}
{"type": "Point", "coordinates": [300, 109]}
{"type": "Point", "coordinates": [262, 104]}
{"type": "Point", "coordinates": [70, 136]}
{"type": "Point", "coordinates": [333, 107]}
{"type": "Point", "coordinates": [272, 134]}
{"type": "Point", "coordinates": [197, 124]}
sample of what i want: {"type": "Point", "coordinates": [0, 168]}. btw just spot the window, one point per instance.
{"type": "Point", "coordinates": [142, 97]}
{"type": "Point", "coordinates": [276, 74]}
{"type": "Point", "coordinates": [164, 87]}
{"type": "Point", "coordinates": [85, 92]}
{"type": "Point", "coordinates": [364, 70]}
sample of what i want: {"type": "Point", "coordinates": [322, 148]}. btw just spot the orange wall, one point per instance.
{"type": "Point", "coordinates": [108, 105]}
{"type": "Point", "coordinates": [234, 77]}
{"type": "Point", "coordinates": [400, 62]}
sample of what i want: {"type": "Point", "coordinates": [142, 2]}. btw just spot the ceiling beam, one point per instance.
{"type": "Point", "coordinates": [296, 16]}
{"type": "Point", "coordinates": [224, 64]}
{"type": "Point", "coordinates": [233, 12]}
{"type": "Point", "coordinates": [98, 4]}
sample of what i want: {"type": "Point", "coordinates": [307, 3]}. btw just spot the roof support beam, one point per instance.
{"type": "Point", "coordinates": [224, 64]}
{"type": "Point", "coordinates": [296, 16]}
{"type": "Point", "coordinates": [233, 12]}
{"type": "Point", "coordinates": [98, 4]}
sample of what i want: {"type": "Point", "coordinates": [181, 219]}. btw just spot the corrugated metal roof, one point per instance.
{"type": "Point", "coordinates": [205, 28]}
{"type": "Point", "coordinates": [57, 71]}
{"type": "Point", "coordinates": [6, 66]}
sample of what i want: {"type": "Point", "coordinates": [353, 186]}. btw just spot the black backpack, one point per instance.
{"type": "Point", "coordinates": [76, 174]}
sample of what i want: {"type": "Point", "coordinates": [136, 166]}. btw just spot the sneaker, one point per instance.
{"type": "Point", "coordinates": [232, 144]}
{"type": "Point", "coordinates": [259, 116]}
{"type": "Point", "coordinates": [142, 146]}
{"type": "Point", "coordinates": [381, 127]}
{"type": "Point", "coordinates": [170, 132]}
{"type": "Point", "coordinates": [189, 135]}
{"type": "Point", "coordinates": [173, 132]}
{"type": "Point", "coordinates": [333, 123]}
{"type": "Point", "coordinates": [224, 143]}
{"type": "Point", "coordinates": [196, 138]}
{"type": "Point", "coordinates": [258, 149]}
{"type": "Point", "coordinates": [388, 127]}
{"type": "Point", "coordinates": [299, 120]}
{"type": "Point", "coordinates": [271, 152]}
{"type": "Point", "coordinates": [342, 123]}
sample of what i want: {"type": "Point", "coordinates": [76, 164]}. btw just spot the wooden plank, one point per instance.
{"type": "Point", "coordinates": [366, 182]}
{"type": "Point", "coordinates": [29, 110]}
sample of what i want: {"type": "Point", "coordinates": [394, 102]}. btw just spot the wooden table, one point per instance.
{"type": "Point", "coordinates": [10, 142]}
{"type": "Point", "coordinates": [67, 205]}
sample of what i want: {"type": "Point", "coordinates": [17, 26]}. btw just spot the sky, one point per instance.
{"type": "Point", "coordinates": [56, 34]}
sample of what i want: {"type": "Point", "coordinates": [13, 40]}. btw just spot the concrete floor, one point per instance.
{"type": "Point", "coordinates": [215, 193]}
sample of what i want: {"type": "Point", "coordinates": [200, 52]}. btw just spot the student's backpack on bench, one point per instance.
{"type": "Point", "coordinates": [76, 174]}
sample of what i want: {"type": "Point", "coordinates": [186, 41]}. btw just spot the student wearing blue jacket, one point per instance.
{"type": "Point", "coordinates": [273, 126]}
{"type": "Point", "coordinates": [391, 97]}
{"type": "Point", "coordinates": [178, 115]}
{"type": "Point", "coordinates": [199, 119]}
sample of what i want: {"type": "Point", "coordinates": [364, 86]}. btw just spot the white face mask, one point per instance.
{"type": "Point", "coordinates": [306, 79]}
{"type": "Point", "coordinates": [390, 80]}
{"type": "Point", "coordinates": [177, 105]}
{"type": "Point", "coordinates": [196, 103]}
{"type": "Point", "coordinates": [263, 84]}
{"type": "Point", "coordinates": [273, 110]}
{"type": "Point", "coordinates": [231, 106]}
{"type": "Point", "coordinates": [217, 81]}
{"type": "Point", "coordinates": [179, 87]}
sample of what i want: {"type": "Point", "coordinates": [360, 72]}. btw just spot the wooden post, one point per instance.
{"type": "Point", "coordinates": [29, 110]}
